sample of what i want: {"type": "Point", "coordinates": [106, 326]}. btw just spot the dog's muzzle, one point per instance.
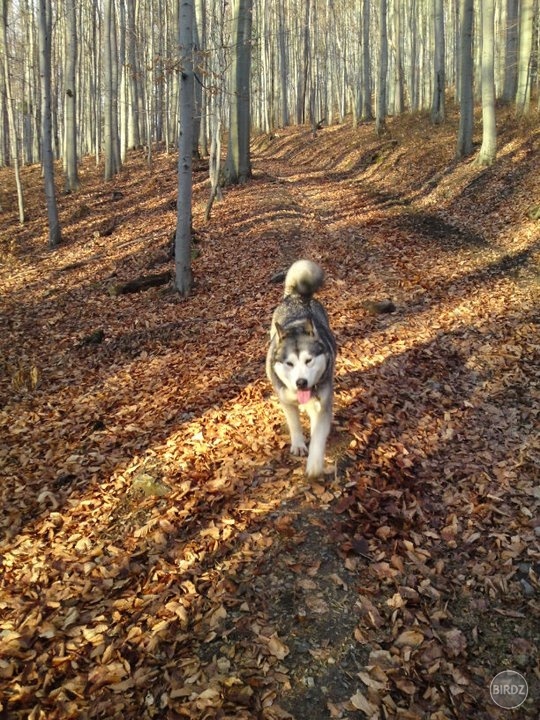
{"type": "Point", "coordinates": [303, 393]}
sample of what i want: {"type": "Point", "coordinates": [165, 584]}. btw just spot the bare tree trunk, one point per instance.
{"type": "Point", "coordinates": [182, 246]}
{"type": "Point", "coordinates": [414, 69]}
{"type": "Point", "coordinates": [439, 80]}
{"type": "Point", "coordinates": [283, 65]}
{"type": "Point", "coordinates": [110, 101]}
{"type": "Point", "coordinates": [511, 51]}
{"type": "Point", "coordinates": [238, 164]}
{"type": "Point", "coordinates": [198, 19]}
{"type": "Point", "coordinates": [134, 140]}
{"type": "Point", "coordinates": [201, 66]}
{"type": "Point", "coordinates": [107, 92]}
{"type": "Point", "coordinates": [398, 96]}
{"type": "Point", "coordinates": [466, 119]}
{"type": "Point", "coordinates": [95, 93]}
{"type": "Point", "coordinates": [380, 119]}
{"type": "Point", "coordinates": [4, 122]}
{"type": "Point", "coordinates": [14, 143]}
{"type": "Point", "coordinates": [306, 60]}
{"type": "Point", "coordinates": [215, 154]}
{"type": "Point", "coordinates": [367, 110]}
{"type": "Point", "coordinates": [45, 23]}
{"type": "Point", "coordinates": [488, 151]}
{"type": "Point", "coordinates": [523, 95]}
{"type": "Point", "coordinates": [30, 151]}
{"type": "Point", "coordinates": [114, 72]}
{"type": "Point", "coordinates": [159, 74]}
{"type": "Point", "coordinates": [215, 112]}
{"type": "Point", "coordinates": [70, 119]}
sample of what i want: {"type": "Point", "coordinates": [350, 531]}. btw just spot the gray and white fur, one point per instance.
{"type": "Point", "coordinates": [300, 362]}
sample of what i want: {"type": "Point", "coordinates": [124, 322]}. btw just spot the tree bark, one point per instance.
{"type": "Point", "coordinates": [283, 65]}
{"type": "Point", "coordinates": [380, 119]}
{"type": "Point", "coordinates": [238, 164]}
{"type": "Point", "coordinates": [12, 130]}
{"type": "Point", "coordinates": [45, 23]}
{"type": "Point", "coordinates": [466, 119]}
{"type": "Point", "coordinates": [367, 109]}
{"type": "Point", "coordinates": [134, 135]}
{"type": "Point", "coordinates": [110, 99]}
{"type": "Point", "coordinates": [523, 95]}
{"type": "Point", "coordinates": [70, 130]}
{"type": "Point", "coordinates": [488, 150]}
{"type": "Point", "coordinates": [183, 275]}
{"type": "Point", "coordinates": [511, 51]}
{"type": "Point", "coordinates": [439, 80]}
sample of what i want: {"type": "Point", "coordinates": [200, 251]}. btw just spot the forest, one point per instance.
{"type": "Point", "coordinates": [162, 554]}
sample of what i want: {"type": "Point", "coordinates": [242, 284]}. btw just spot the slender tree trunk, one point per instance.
{"type": "Point", "coordinates": [439, 81]}
{"type": "Point", "coordinates": [523, 95]}
{"type": "Point", "coordinates": [70, 119]}
{"type": "Point", "coordinates": [160, 75]}
{"type": "Point", "coordinates": [201, 68]}
{"type": "Point", "coordinates": [107, 93]}
{"type": "Point", "coordinates": [215, 154]}
{"type": "Point", "coordinates": [110, 99]}
{"type": "Point", "coordinates": [367, 109]}
{"type": "Point", "coordinates": [4, 122]}
{"type": "Point", "coordinates": [115, 76]}
{"type": "Point", "coordinates": [283, 65]}
{"type": "Point", "coordinates": [302, 100]}
{"type": "Point", "coordinates": [14, 144]}
{"type": "Point", "coordinates": [185, 150]}
{"type": "Point", "coordinates": [488, 150]}
{"type": "Point", "coordinates": [95, 94]}
{"type": "Point", "coordinates": [466, 119]}
{"type": "Point", "coordinates": [414, 69]}
{"type": "Point", "coordinates": [45, 23]}
{"type": "Point", "coordinates": [134, 140]}
{"type": "Point", "coordinates": [198, 19]}
{"type": "Point", "coordinates": [238, 165]}
{"type": "Point", "coordinates": [123, 87]}
{"type": "Point", "coordinates": [400, 104]}
{"type": "Point", "coordinates": [150, 93]}
{"type": "Point", "coordinates": [511, 51]}
{"type": "Point", "coordinates": [380, 120]}
{"type": "Point", "coordinates": [215, 112]}
{"type": "Point", "coordinates": [455, 49]}
{"type": "Point", "coordinates": [313, 91]}
{"type": "Point", "coordinates": [266, 76]}
{"type": "Point", "coordinates": [30, 152]}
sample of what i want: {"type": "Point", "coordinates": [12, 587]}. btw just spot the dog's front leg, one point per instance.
{"type": "Point", "coordinates": [298, 443]}
{"type": "Point", "coordinates": [321, 420]}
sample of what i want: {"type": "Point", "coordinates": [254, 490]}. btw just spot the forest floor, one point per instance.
{"type": "Point", "coordinates": [162, 555]}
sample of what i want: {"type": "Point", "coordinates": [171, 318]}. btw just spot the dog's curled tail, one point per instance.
{"type": "Point", "coordinates": [303, 278]}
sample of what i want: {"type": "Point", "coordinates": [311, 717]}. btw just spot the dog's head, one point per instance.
{"type": "Point", "coordinates": [300, 360]}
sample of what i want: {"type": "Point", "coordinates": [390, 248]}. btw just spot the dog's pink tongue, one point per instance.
{"type": "Point", "coordinates": [303, 396]}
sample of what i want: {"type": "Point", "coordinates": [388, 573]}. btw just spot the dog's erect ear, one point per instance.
{"type": "Point", "coordinates": [308, 327]}
{"type": "Point", "coordinates": [279, 331]}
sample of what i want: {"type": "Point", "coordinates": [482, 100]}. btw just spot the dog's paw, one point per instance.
{"type": "Point", "coordinates": [299, 448]}
{"type": "Point", "coordinates": [314, 467]}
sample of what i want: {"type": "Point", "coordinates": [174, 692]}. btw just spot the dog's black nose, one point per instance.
{"type": "Point", "coordinates": [301, 383]}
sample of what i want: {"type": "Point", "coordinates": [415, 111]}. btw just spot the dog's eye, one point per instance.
{"type": "Point", "coordinates": [308, 361]}
{"type": "Point", "coordinates": [289, 363]}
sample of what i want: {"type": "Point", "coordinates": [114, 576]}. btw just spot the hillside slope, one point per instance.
{"type": "Point", "coordinates": [162, 554]}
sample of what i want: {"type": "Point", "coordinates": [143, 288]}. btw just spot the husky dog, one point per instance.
{"type": "Point", "coordinates": [300, 361]}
